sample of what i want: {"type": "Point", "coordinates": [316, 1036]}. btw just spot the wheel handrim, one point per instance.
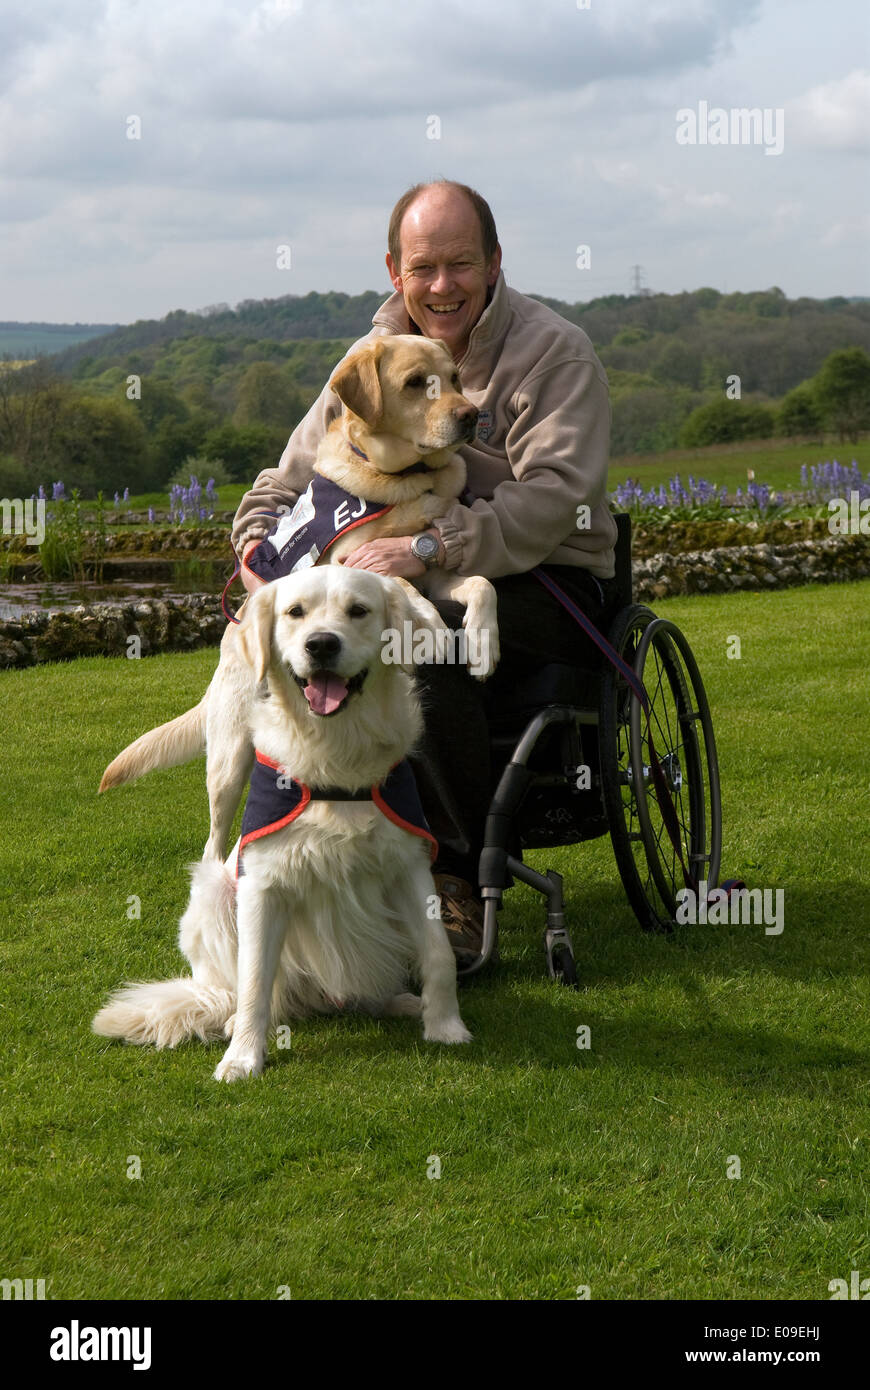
{"type": "Point", "coordinates": [678, 706]}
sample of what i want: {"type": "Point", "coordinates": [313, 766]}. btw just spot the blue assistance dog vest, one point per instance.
{"type": "Point", "coordinates": [276, 799]}
{"type": "Point", "coordinates": [322, 513]}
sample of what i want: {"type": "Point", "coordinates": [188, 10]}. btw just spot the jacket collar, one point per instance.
{"type": "Point", "coordinates": [485, 340]}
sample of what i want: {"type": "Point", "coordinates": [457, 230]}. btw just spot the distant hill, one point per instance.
{"type": "Point", "coordinates": [26, 340]}
{"type": "Point", "coordinates": [692, 340]}
{"type": "Point", "coordinates": [224, 387]}
{"type": "Point", "coordinates": [293, 317]}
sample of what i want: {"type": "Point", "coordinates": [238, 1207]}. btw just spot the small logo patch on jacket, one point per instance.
{"type": "Point", "coordinates": [485, 424]}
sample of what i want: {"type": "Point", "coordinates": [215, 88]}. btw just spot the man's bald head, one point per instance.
{"type": "Point", "coordinates": [450, 193]}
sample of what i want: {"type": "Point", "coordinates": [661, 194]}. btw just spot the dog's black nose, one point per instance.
{"type": "Point", "coordinates": [466, 417]}
{"type": "Point", "coordinates": [323, 647]}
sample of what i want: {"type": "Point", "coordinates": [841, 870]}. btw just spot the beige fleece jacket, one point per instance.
{"type": "Point", "coordinates": [539, 460]}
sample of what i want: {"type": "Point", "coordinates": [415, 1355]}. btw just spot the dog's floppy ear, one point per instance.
{"type": "Point", "coordinates": [255, 630]}
{"type": "Point", "coordinates": [358, 386]}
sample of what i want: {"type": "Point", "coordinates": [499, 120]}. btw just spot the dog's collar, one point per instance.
{"type": "Point", "coordinates": [418, 467]}
{"type": "Point", "coordinates": [339, 794]}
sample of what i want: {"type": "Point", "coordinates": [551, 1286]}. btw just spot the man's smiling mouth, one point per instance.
{"type": "Point", "coordinates": [445, 308]}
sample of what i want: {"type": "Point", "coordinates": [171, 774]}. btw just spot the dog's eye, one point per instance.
{"type": "Point", "coordinates": [415, 382]}
{"type": "Point", "coordinates": [454, 380]}
{"type": "Point", "coordinates": [357, 610]}
{"type": "Point", "coordinates": [297, 611]}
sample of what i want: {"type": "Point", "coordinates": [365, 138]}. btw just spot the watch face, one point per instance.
{"type": "Point", "coordinates": [425, 547]}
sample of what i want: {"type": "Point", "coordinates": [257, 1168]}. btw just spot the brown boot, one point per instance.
{"type": "Point", "coordinates": [462, 915]}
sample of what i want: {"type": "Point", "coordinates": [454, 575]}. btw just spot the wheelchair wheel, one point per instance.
{"type": "Point", "coordinates": [563, 967]}
{"type": "Point", "coordinates": [682, 735]}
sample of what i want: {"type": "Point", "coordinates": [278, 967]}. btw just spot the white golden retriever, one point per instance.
{"type": "Point", "coordinates": [335, 904]}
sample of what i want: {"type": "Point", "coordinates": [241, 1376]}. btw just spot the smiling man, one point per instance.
{"type": "Point", "coordinates": [537, 476]}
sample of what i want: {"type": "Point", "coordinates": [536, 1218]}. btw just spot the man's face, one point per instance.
{"type": "Point", "coordinates": [444, 276]}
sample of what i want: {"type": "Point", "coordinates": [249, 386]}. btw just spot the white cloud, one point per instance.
{"type": "Point", "coordinates": [852, 231]}
{"type": "Point", "coordinates": [836, 115]}
{"type": "Point", "coordinates": [301, 121]}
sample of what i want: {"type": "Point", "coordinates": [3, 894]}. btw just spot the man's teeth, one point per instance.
{"type": "Point", "coordinates": [444, 308]}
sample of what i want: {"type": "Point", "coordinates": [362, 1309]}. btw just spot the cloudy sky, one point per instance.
{"type": "Point", "coordinates": [299, 122]}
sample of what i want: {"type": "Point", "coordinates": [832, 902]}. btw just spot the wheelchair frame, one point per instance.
{"type": "Point", "coordinates": [665, 751]}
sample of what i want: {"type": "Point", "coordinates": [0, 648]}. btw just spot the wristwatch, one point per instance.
{"type": "Point", "coordinates": [426, 548]}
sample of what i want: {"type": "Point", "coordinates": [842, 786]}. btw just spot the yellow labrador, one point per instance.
{"type": "Point", "coordinates": [390, 451]}
{"type": "Point", "coordinates": [335, 903]}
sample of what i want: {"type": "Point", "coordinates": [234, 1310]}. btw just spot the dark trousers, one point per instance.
{"type": "Point", "coordinates": [452, 763]}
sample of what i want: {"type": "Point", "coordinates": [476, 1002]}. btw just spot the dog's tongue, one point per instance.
{"type": "Point", "coordinates": [325, 692]}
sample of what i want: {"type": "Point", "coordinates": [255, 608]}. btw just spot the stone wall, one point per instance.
{"type": "Point", "coordinates": [103, 629]}
{"type": "Point", "coordinates": [761, 567]}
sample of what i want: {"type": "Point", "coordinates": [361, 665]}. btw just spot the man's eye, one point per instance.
{"type": "Point", "coordinates": [358, 610]}
{"type": "Point", "coordinates": [415, 382]}
{"type": "Point", "coordinates": [297, 611]}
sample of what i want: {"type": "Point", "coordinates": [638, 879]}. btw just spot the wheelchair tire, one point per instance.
{"type": "Point", "coordinates": [565, 967]}
{"type": "Point", "coordinates": [648, 864]}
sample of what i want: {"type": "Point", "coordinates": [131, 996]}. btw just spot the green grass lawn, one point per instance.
{"type": "Point", "coordinates": [559, 1167]}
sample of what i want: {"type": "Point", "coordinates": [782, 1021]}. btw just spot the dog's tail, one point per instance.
{"type": "Point", "coordinates": [176, 742]}
{"type": "Point", "coordinates": [167, 1012]}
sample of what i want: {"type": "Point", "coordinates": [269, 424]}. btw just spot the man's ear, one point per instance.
{"type": "Point", "coordinates": [357, 384]}
{"type": "Point", "coordinates": [255, 631]}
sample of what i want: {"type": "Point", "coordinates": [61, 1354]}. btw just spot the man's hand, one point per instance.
{"type": "Point", "coordinates": [251, 582]}
{"type": "Point", "coordinates": [389, 555]}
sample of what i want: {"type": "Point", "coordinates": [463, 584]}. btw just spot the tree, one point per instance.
{"type": "Point", "coordinates": [172, 441]}
{"type": "Point", "coordinates": [159, 401]}
{"type": "Point", "coordinates": [842, 391]}
{"type": "Point", "coordinates": [32, 401]}
{"type": "Point", "coordinates": [721, 421]}
{"type": "Point", "coordinates": [267, 397]}
{"type": "Point", "coordinates": [678, 362]}
{"type": "Point", "coordinates": [245, 451]}
{"type": "Point", "coordinates": [100, 444]}
{"type": "Point", "coordinates": [649, 419]}
{"type": "Point", "coordinates": [799, 413]}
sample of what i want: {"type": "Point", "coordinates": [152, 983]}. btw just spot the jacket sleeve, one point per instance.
{"type": "Point", "coordinates": [557, 449]}
{"type": "Point", "coordinates": [280, 487]}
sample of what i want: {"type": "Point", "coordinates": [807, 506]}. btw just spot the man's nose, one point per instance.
{"type": "Point", "coordinates": [442, 281]}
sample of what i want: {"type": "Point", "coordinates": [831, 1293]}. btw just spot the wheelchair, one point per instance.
{"type": "Point", "coordinates": [579, 754]}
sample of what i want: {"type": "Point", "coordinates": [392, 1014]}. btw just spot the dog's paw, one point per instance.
{"type": "Point", "coordinates": [448, 1030]}
{"type": "Point", "coordinates": [483, 652]}
{"type": "Point", "coordinates": [430, 505]}
{"type": "Point", "coordinates": [238, 1067]}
